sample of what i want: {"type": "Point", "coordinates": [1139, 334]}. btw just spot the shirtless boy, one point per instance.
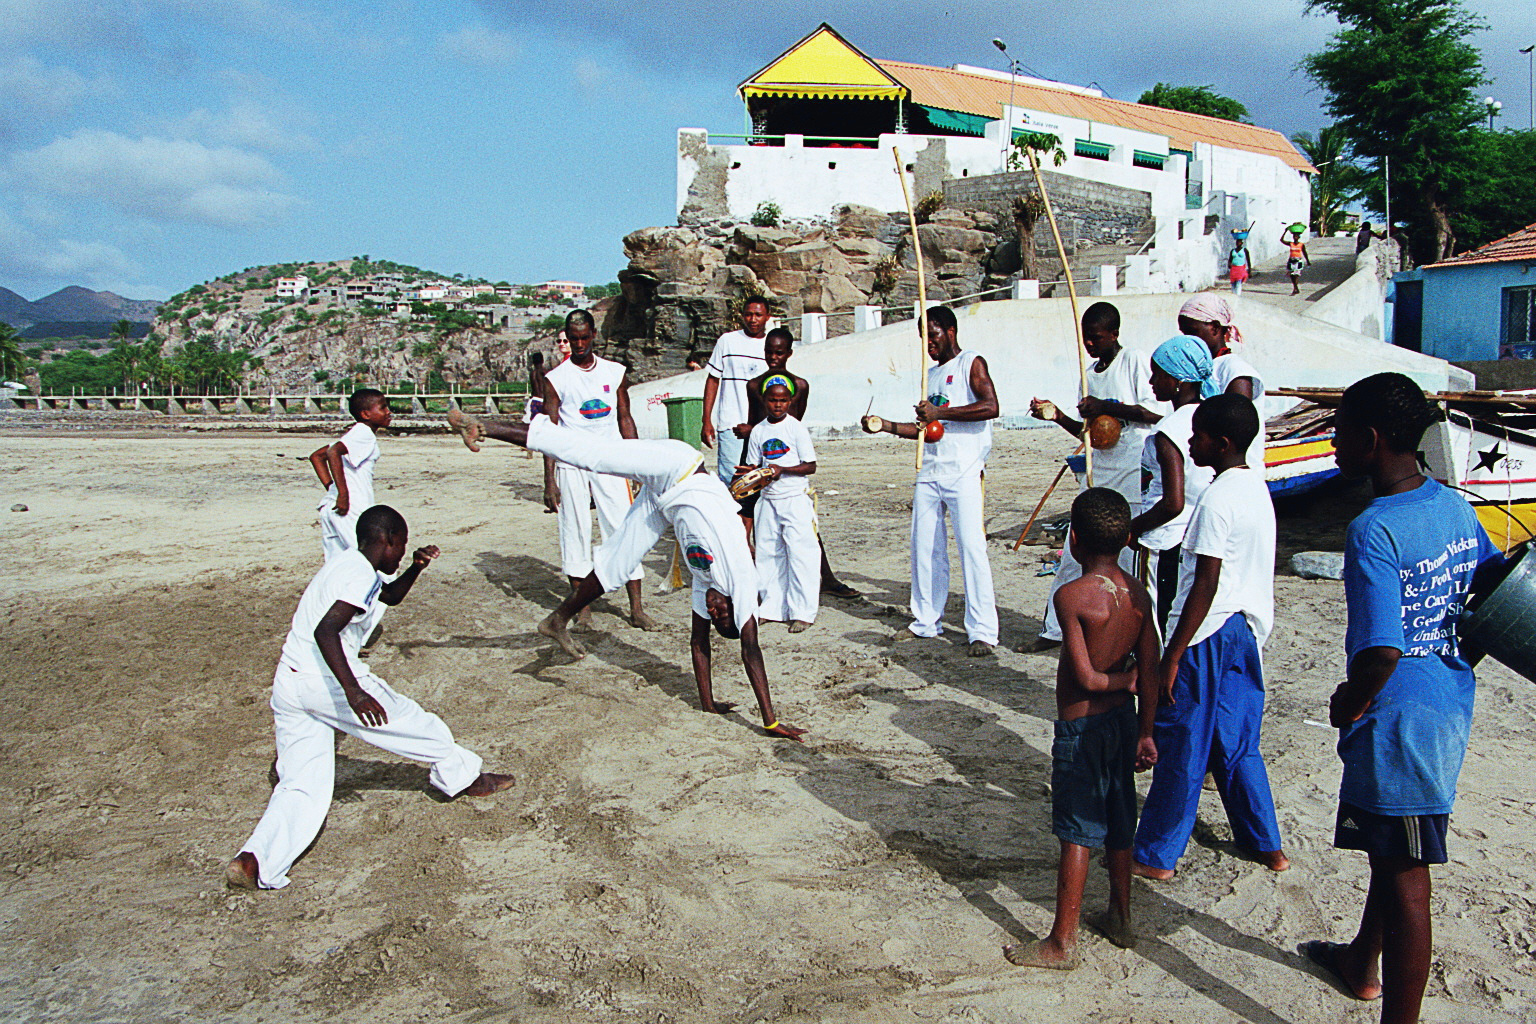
{"type": "Point", "coordinates": [1109, 644]}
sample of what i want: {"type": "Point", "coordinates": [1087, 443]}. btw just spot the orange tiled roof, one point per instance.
{"type": "Point", "coordinates": [1519, 246]}
{"type": "Point", "coordinates": [976, 94]}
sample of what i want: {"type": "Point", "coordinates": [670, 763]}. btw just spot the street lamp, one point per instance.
{"type": "Point", "coordinates": [1530, 84]}
{"type": "Point", "coordinates": [1494, 106]}
{"type": "Point", "coordinates": [1007, 132]}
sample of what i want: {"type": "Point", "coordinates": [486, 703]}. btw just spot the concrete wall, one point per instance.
{"type": "Point", "coordinates": [1357, 303]}
{"type": "Point", "coordinates": [1085, 209]}
{"type": "Point", "coordinates": [1031, 348]}
{"type": "Point", "coordinates": [1464, 307]}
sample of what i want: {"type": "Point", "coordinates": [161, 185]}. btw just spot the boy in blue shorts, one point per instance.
{"type": "Point", "coordinates": [1405, 709]}
{"type": "Point", "coordinates": [1108, 641]}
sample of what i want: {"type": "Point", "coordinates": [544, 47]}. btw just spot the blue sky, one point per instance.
{"type": "Point", "coordinates": [147, 145]}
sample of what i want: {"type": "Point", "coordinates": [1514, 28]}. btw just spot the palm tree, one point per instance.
{"type": "Point", "coordinates": [10, 351]}
{"type": "Point", "coordinates": [1337, 182]}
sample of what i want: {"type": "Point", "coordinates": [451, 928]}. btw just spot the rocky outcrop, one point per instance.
{"type": "Point", "coordinates": [684, 285]}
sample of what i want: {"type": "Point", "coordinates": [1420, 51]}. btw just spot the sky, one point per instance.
{"type": "Point", "coordinates": [149, 145]}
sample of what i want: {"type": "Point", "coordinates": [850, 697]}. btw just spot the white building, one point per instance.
{"type": "Point", "coordinates": [823, 119]}
{"type": "Point", "coordinates": [292, 287]}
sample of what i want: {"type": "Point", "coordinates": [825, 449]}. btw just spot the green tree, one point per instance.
{"type": "Point", "coordinates": [1337, 183]}
{"type": "Point", "coordinates": [1195, 99]}
{"type": "Point", "coordinates": [1400, 78]}
{"type": "Point", "coordinates": [120, 331]}
{"type": "Point", "coordinates": [1500, 197]}
{"type": "Point", "coordinates": [11, 359]}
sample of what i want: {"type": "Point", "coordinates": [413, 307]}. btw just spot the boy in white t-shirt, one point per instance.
{"type": "Point", "coordinates": [1211, 702]}
{"type": "Point", "coordinates": [788, 556]}
{"type": "Point", "coordinates": [321, 688]}
{"type": "Point", "coordinates": [345, 469]}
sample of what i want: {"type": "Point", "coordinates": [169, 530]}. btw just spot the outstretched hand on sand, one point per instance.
{"type": "Point", "coordinates": [467, 427]}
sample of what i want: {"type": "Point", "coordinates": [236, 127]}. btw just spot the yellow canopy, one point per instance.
{"type": "Point", "coordinates": [823, 65]}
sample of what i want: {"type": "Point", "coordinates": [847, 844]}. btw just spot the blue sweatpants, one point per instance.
{"type": "Point", "coordinates": [1212, 724]}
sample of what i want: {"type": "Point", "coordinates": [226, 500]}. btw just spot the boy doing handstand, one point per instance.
{"type": "Point", "coordinates": [321, 688]}
{"type": "Point", "coordinates": [1109, 643]}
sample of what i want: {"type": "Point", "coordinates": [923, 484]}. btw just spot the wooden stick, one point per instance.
{"type": "Point", "coordinates": [922, 303]}
{"type": "Point", "coordinates": [1044, 498]}
{"type": "Point", "coordinates": [1077, 320]}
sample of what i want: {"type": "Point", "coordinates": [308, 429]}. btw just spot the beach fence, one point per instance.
{"type": "Point", "coordinates": [272, 405]}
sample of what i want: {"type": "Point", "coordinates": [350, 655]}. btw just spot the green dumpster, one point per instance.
{"type": "Point", "coordinates": [685, 419]}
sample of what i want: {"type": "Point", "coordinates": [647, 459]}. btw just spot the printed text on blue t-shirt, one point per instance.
{"type": "Point", "coordinates": [1433, 589]}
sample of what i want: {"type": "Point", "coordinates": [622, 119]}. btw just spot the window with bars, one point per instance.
{"type": "Point", "coordinates": [1519, 335]}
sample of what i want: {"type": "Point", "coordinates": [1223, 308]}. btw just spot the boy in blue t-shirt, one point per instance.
{"type": "Point", "coordinates": [1405, 709]}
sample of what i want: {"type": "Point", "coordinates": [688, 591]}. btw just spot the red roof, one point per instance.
{"type": "Point", "coordinates": [1519, 246]}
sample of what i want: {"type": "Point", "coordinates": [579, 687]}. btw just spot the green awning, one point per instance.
{"type": "Point", "coordinates": [1096, 150]}
{"type": "Point", "coordinates": [956, 121]}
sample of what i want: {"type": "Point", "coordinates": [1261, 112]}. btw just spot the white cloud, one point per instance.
{"type": "Point", "coordinates": [245, 123]}
{"type": "Point", "coordinates": [477, 44]}
{"type": "Point", "coordinates": [27, 256]}
{"type": "Point", "coordinates": [161, 179]}
{"type": "Point", "coordinates": [29, 87]}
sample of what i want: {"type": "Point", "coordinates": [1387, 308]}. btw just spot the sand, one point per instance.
{"type": "Point", "coordinates": [653, 863]}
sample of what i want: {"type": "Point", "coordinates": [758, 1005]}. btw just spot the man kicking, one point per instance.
{"type": "Point", "coordinates": [675, 491]}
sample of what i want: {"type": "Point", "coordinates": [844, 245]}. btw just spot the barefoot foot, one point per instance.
{"type": "Point", "coordinates": [485, 784]}
{"type": "Point", "coordinates": [242, 872]}
{"type": "Point", "coordinates": [1115, 928]}
{"type": "Point", "coordinates": [1140, 870]}
{"type": "Point", "coordinates": [1041, 953]}
{"type": "Point", "coordinates": [556, 631]}
{"type": "Point", "coordinates": [1275, 860]}
{"type": "Point", "coordinates": [583, 619]}
{"type": "Point", "coordinates": [787, 732]}
{"type": "Point", "coordinates": [640, 620]}
{"type": "Point", "coordinates": [1331, 957]}
{"type": "Point", "coordinates": [799, 626]}
{"type": "Point", "coordinates": [467, 427]}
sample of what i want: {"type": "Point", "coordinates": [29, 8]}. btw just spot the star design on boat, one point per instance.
{"type": "Point", "coordinates": [1490, 458]}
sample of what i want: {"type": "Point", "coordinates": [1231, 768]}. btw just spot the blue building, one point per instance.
{"type": "Point", "coordinates": [1479, 305]}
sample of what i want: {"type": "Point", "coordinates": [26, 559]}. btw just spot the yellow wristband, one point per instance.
{"type": "Point", "coordinates": [771, 726]}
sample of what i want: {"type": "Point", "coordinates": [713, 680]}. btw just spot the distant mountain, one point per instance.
{"type": "Point", "coordinates": [74, 305]}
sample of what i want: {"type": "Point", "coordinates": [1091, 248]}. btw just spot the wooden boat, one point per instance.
{"type": "Point", "coordinates": [1485, 448]}
{"type": "Point", "coordinates": [1298, 449]}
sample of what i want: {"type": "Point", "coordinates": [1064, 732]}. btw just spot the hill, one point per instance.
{"type": "Point", "coordinates": [74, 304]}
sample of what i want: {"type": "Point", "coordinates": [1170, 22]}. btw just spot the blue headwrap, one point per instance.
{"type": "Point", "coordinates": [1184, 359]}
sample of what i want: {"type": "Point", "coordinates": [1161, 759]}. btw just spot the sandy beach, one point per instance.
{"type": "Point", "coordinates": [652, 864]}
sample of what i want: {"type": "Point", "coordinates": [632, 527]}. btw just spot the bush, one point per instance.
{"type": "Point", "coordinates": [321, 376]}
{"type": "Point", "coordinates": [767, 214]}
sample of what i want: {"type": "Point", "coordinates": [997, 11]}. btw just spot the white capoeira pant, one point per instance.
{"type": "Point", "coordinates": [788, 558]}
{"type": "Point", "coordinates": [580, 489]}
{"type": "Point", "coordinates": [657, 466]}
{"type": "Point", "coordinates": [962, 499]}
{"type": "Point", "coordinates": [306, 709]}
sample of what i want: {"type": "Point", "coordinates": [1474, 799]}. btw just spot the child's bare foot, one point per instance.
{"type": "Point", "coordinates": [485, 784]}
{"type": "Point", "coordinates": [787, 732]}
{"type": "Point", "coordinates": [1275, 860]}
{"type": "Point", "coordinates": [799, 626]}
{"type": "Point", "coordinates": [1041, 953]}
{"type": "Point", "coordinates": [583, 619]}
{"type": "Point", "coordinates": [467, 427]}
{"type": "Point", "coordinates": [556, 631]}
{"type": "Point", "coordinates": [242, 872]}
{"type": "Point", "coordinates": [1331, 957]}
{"type": "Point", "coordinates": [1115, 928]}
{"type": "Point", "coordinates": [1140, 870]}
{"type": "Point", "coordinates": [640, 620]}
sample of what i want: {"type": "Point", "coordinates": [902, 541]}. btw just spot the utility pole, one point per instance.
{"type": "Point", "coordinates": [1530, 85]}
{"type": "Point", "coordinates": [1007, 133]}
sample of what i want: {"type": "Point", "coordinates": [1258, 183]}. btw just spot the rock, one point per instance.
{"type": "Point", "coordinates": [1318, 565]}
{"type": "Point", "coordinates": [18, 507]}
{"type": "Point", "coordinates": [831, 294]}
{"type": "Point", "coordinates": [750, 238]}
{"type": "Point", "coordinates": [952, 218]}
{"type": "Point", "coordinates": [859, 221]}
{"type": "Point", "coordinates": [860, 250]}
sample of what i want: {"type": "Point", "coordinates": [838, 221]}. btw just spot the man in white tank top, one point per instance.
{"type": "Point", "coordinates": [591, 394]}
{"type": "Point", "coordinates": [960, 397]}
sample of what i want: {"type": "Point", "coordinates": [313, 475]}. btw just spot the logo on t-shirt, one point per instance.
{"type": "Point", "coordinates": [950, 379]}
{"type": "Point", "coordinates": [773, 448]}
{"type": "Point", "coordinates": [595, 408]}
{"type": "Point", "coordinates": [699, 558]}
{"type": "Point", "coordinates": [939, 400]}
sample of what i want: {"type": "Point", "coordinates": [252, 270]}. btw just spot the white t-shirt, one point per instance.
{"type": "Point", "coordinates": [706, 521]}
{"type": "Point", "coordinates": [784, 444]}
{"type": "Point", "coordinates": [357, 468]}
{"type": "Point", "coordinates": [1224, 370]}
{"type": "Point", "coordinates": [589, 398]}
{"type": "Point", "coordinates": [964, 448]}
{"type": "Point", "coordinates": [1127, 380]}
{"type": "Point", "coordinates": [735, 360]}
{"type": "Point", "coordinates": [349, 577]}
{"type": "Point", "coordinates": [1235, 522]}
{"type": "Point", "coordinates": [1177, 426]}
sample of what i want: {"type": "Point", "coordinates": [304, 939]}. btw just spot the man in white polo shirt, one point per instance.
{"type": "Point", "coordinates": [589, 394]}
{"type": "Point", "coordinates": [737, 358]}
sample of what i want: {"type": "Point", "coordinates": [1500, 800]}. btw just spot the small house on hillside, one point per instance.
{"type": "Point", "coordinates": [1479, 305]}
